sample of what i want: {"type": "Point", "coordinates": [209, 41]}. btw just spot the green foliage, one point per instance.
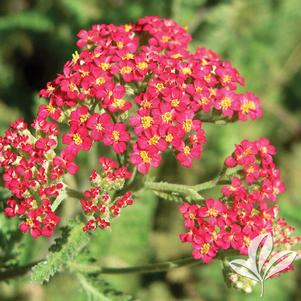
{"type": "Point", "coordinates": [99, 290]}
{"type": "Point", "coordinates": [63, 254]}
{"type": "Point", "coordinates": [26, 20]}
{"type": "Point", "coordinates": [4, 193]}
{"type": "Point", "coordinates": [130, 232]}
{"type": "Point", "coordinates": [172, 197]}
{"type": "Point", "coordinates": [9, 248]}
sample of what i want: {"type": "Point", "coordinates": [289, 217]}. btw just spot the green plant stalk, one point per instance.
{"type": "Point", "coordinates": [188, 190]}
{"type": "Point", "coordinates": [94, 269]}
{"type": "Point", "coordinates": [143, 269]}
{"type": "Point", "coordinates": [178, 188]}
{"type": "Point", "coordinates": [17, 272]}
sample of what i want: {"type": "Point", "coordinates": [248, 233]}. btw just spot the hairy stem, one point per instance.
{"type": "Point", "coordinates": [179, 188]}
{"type": "Point", "coordinates": [143, 269]}
{"type": "Point", "coordinates": [17, 272]}
{"type": "Point", "coordinates": [94, 269]}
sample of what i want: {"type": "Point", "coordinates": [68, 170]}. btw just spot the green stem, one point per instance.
{"type": "Point", "coordinates": [191, 191]}
{"type": "Point", "coordinates": [17, 272]}
{"type": "Point", "coordinates": [143, 269]}
{"type": "Point", "coordinates": [94, 269]}
{"type": "Point", "coordinates": [60, 198]}
{"type": "Point", "coordinates": [179, 188]}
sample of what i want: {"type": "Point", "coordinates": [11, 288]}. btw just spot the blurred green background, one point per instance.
{"type": "Point", "coordinates": [262, 38]}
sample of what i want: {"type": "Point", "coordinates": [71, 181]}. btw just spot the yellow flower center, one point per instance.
{"type": "Point", "coordinates": [247, 240]}
{"type": "Point", "coordinates": [128, 56]}
{"type": "Point", "coordinates": [84, 73]}
{"type": "Point", "coordinates": [204, 101]}
{"type": "Point", "coordinates": [276, 190]}
{"type": "Point", "coordinates": [264, 150]}
{"type": "Point", "coordinates": [145, 157]}
{"type": "Point", "coordinates": [227, 79]}
{"type": "Point", "coordinates": [127, 27]}
{"type": "Point", "coordinates": [77, 139]}
{"type": "Point", "coordinates": [207, 78]}
{"type": "Point", "coordinates": [267, 216]}
{"type": "Point", "coordinates": [250, 169]}
{"type": "Point", "coordinates": [176, 55]}
{"type": "Point", "coordinates": [204, 62]}
{"type": "Point", "coordinates": [99, 126]}
{"type": "Point", "coordinates": [120, 44]}
{"type": "Point", "coordinates": [118, 102]}
{"type": "Point", "coordinates": [186, 70]}
{"type": "Point", "coordinates": [50, 88]}
{"type": "Point", "coordinates": [199, 89]}
{"type": "Point", "coordinates": [174, 102]}
{"type": "Point", "coordinates": [212, 212]}
{"type": "Point", "coordinates": [165, 39]}
{"type": "Point", "coordinates": [105, 66]}
{"type": "Point", "coordinates": [212, 92]}
{"type": "Point", "coordinates": [115, 135]}
{"type": "Point", "coordinates": [29, 222]}
{"type": "Point", "coordinates": [126, 70]}
{"type": "Point", "coordinates": [146, 121]}
{"type": "Point", "coordinates": [169, 138]}
{"type": "Point", "coordinates": [142, 65]}
{"type": "Point", "coordinates": [75, 57]}
{"type": "Point", "coordinates": [187, 125]}
{"type": "Point", "coordinates": [247, 106]}
{"type": "Point", "coordinates": [50, 108]}
{"type": "Point", "coordinates": [159, 86]}
{"type": "Point", "coordinates": [146, 104]}
{"type": "Point", "coordinates": [100, 80]}
{"type": "Point", "coordinates": [72, 86]}
{"type": "Point", "coordinates": [186, 150]}
{"type": "Point", "coordinates": [226, 103]}
{"type": "Point", "coordinates": [167, 117]}
{"type": "Point", "coordinates": [154, 140]}
{"type": "Point", "coordinates": [205, 248]}
{"type": "Point", "coordinates": [84, 118]}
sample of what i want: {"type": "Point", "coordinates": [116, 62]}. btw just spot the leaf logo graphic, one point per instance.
{"type": "Point", "coordinates": [257, 267]}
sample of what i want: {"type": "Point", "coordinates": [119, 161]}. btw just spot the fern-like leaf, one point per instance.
{"type": "Point", "coordinates": [99, 290]}
{"type": "Point", "coordinates": [169, 196]}
{"type": "Point", "coordinates": [54, 262]}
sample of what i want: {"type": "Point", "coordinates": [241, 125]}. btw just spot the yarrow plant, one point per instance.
{"type": "Point", "coordinates": [137, 90]}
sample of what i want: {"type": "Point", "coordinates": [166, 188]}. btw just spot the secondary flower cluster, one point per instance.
{"type": "Point", "coordinates": [137, 88]}
{"type": "Point", "coordinates": [244, 210]}
{"type": "Point", "coordinates": [32, 172]}
{"type": "Point", "coordinates": [98, 202]}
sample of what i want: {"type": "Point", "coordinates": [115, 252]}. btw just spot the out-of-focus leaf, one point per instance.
{"type": "Point", "coordinates": [100, 290]}
{"type": "Point", "coordinates": [26, 20]}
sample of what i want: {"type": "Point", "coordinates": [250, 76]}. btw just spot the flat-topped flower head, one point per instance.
{"type": "Point", "coordinates": [137, 91]}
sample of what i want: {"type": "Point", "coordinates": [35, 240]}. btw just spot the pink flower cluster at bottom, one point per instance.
{"type": "Point", "coordinates": [244, 210]}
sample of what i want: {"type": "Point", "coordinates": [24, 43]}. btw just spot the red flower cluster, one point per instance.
{"type": "Point", "coordinates": [99, 205]}
{"type": "Point", "coordinates": [244, 210]}
{"type": "Point", "coordinates": [138, 89]}
{"type": "Point", "coordinates": [33, 174]}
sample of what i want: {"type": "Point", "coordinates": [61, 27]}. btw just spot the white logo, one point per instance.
{"type": "Point", "coordinates": [257, 267]}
